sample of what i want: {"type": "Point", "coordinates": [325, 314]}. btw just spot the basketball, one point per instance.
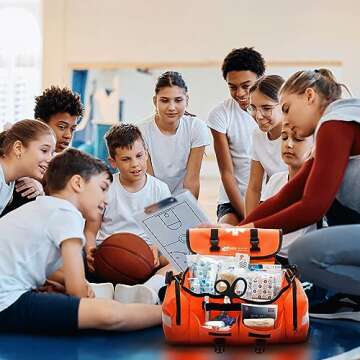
{"type": "Point", "coordinates": [124, 258]}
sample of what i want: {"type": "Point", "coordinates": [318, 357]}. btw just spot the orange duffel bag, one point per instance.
{"type": "Point", "coordinates": [184, 312]}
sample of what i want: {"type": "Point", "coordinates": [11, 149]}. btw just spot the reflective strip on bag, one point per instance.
{"type": "Point", "coordinates": [166, 319]}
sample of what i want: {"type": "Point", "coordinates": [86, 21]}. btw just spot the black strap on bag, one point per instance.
{"type": "Point", "coordinates": [214, 240]}
{"type": "Point", "coordinates": [291, 274]}
{"type": "Point", "coordinates": [294, 291]}
{"type": "Point", "coordinates": [254, 240]}
{"type": "Point", "coordinates": [178, 302]}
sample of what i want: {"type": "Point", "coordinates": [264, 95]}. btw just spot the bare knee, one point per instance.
{"type": "Point", "coordinates": [229, 218]}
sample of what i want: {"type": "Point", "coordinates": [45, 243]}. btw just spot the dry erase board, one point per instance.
{"type": "Point", "coordinates": [166, 223]}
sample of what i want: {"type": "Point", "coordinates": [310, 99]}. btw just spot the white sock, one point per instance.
{"type": "Point", "coordinates": [156, 282]}
{"type": "Point", "coordinates": [103, 290]}
{"type": "Point", "coordinates": [139, 293]}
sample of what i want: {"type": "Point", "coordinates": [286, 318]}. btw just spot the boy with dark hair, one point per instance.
{"type": "Point", "coordinates": [232, 128]}
{"type": "Point", "coordinates": [244, 59]}
{"type": "Point", "coordinates": [53, 228]}
{"type": "Point", "coordinates": [60, 108]}
{"type": "Point", "coordinates": [132, 190]}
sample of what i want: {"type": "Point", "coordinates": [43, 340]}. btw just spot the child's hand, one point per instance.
{"type": "Point", "coordinates": [29, 187]}
{"type": "Point", "coordinates": [51, 286]}
{"type": "Point", "coordinates": [225, 226]}
{"type": "Point", "coordinates": [248, 225]}
{"type": "Point", "coordinates": [91, 293]}
{"type": "Point", "coordinates": [90, 255]}
{"type": "Point", "coordinates": [156, 256]}
{"type": "Point", "coordinates": [216, 226]}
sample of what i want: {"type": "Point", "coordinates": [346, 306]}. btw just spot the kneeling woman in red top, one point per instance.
{"type": "Point", "coordinates": [328, 184]}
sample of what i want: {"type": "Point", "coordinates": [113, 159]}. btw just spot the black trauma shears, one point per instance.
{"type": "Point", "coordinates": [224, 288]}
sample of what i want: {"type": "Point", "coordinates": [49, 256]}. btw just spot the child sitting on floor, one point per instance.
{"type": "Point", "coordinates": [53, 229]}
{"type": "Point", "coordinates": [132, 190]}
{"type": "Point", "coordinates": [295, 150]}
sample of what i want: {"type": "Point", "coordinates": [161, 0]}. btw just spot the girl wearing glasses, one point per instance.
{"type": "Point", "coordinates": [266, 141]}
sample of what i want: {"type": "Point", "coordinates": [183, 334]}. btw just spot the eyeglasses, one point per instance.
{"type": "Point", "coordinates": [265, 110]}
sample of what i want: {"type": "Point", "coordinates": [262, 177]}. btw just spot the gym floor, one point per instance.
{"type": "Point", "coordinates": [327, 339]}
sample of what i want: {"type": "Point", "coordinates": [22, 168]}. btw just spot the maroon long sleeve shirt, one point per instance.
{"type": "Point", "coordinates": [306, 198]}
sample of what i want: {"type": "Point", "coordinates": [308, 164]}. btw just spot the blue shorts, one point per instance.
{"type": "Point", "coordinates": [226, 208]}
{"type": "Point", "coordinates": [41, 312]}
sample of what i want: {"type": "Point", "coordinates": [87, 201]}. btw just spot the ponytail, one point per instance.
{"type": "Point", "coordinates": [321, 80]}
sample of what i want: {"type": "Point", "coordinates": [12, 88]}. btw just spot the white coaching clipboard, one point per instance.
{"type": "Point", "coordinates": [166, 223]}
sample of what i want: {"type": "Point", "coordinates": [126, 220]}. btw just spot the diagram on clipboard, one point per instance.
{"type": "Point", "coordinates": [166, 223]}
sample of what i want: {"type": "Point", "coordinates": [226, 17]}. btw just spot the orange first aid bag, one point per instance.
{"type": "Point", "coordinates": [186, 313]}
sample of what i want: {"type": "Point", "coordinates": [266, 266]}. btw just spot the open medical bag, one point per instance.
{"type": "Point", "coordinates": [187, 314]}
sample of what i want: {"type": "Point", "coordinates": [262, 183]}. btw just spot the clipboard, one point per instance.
{"type": "Point", "coordinates": [166, 223]}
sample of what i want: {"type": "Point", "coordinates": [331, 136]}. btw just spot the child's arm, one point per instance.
{"type": "Point", "coordinates": [253, 192]}
{"type": "Point", "coordinates": [226, 168]}
{"type": "Point", "coordinates": [192, 176]}
{"type": "Point", "coordinates": [73, 269]}
{"type": "Point", "coordinates": [90, 231]}
{"type": "Point", "coordinates": [57, 276]}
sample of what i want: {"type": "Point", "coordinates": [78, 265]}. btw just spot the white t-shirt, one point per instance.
{"type": "Point", "coordinates": [170, 153]}
{"type": "Point", "coordinates": [6, 190]}
{"type": "Point", "coordinates": [267, 152]}
{"type": "Point", "coordinates": [122, 205]}
{"type": "Point", "coordinates": [273, 186]}
{"type": "Point", "coordinates": [228, 118]}
{"type": "Point", "coordinates": [30, 238]}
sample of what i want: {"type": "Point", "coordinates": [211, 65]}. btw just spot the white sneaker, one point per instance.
{"type": "Point", "coordinates": [103, 290]}
{"type": "Point", "coordinates": [129, 294]}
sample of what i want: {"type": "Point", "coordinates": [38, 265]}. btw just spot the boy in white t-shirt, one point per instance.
{"type": "Point", "coordinates": [266, 160]}
{"type": "Point", "coordinates": [131, 191]}
{"type": "Point", "coordinates": [232, 128]}
{"type": "Point", "coordinates": [295, 150]}
{"type": "Point", "coordinates": [53, 229]}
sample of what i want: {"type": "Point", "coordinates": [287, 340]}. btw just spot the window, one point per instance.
{"type": "Point", "coordinates": [20, 60]}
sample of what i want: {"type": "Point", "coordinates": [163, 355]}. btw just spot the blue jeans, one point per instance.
{"type": "Point", "coordinates": [330, 258]}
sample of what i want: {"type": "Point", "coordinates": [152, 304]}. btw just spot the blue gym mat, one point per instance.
{"type": "Point", "coordinates": [327, 338]}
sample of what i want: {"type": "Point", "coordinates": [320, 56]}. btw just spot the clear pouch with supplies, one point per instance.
{"type": "Point", "coordinates": [193, 316]}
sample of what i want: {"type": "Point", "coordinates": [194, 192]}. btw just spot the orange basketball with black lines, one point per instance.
{"type": "Point", "coordinates": [124, 258]}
